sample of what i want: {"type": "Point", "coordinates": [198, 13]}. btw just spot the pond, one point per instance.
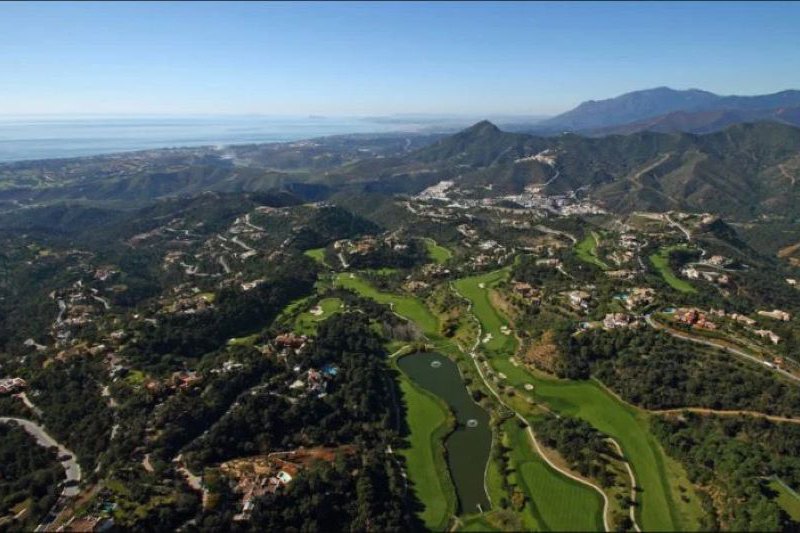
{"type": "Point", "coordinates": [469, 445]}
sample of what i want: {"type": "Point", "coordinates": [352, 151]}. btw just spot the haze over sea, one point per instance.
{"type": "Point", "coordinates": [46, 137]}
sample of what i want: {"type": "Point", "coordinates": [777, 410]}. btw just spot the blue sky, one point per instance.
{"type": "Point", "coordinates": [383, 58]}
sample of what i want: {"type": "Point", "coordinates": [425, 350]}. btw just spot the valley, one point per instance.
{"type": "Point", "coordinates": [488, 330]}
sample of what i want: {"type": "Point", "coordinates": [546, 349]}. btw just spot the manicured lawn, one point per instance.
{"type": "Point", "coordinates": [587, 250]}
{"type": "Point", "coordinates": [656, 473]}
{"type": "Point", "coordinates": [787, 499]}
{"type": "Point", "coordinates": [317, 254]}
{"type": "Point", "coordinates": [307, 323]}
{"type": "Point", "coordinates": [661, 507]}
{"type": "Point", "coordinates": [407, 306]}
{"type": "Point", "coordinates": [428, 421]}
{"type": "Point", "coordinates": [660, 260]}
{"type": "Point", "coordinates": [557, 503]}
{"type": "Point", "coordinates": [494, 481]}
{"type": "Point", "coordinates": [491, 320]}
{"type": "Point", "coordinates": [438, 253]}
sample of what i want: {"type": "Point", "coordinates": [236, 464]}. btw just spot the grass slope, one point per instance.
{"type": "Point", "coordinates": [557, 502]}
{"type": "Point", "coordinates": [438, 253]}
{"type": "Point", "coordinates": [407, 306]}
{"type": "Point", "coordinates": [306, 323]}
{"type": "Point", "coordinates": [429, 422]}
{"type": "Point", "coordinates": [660, 260]}
{"type": "Point", "coordinates": [490, 319]}
{"type": "Point", "coordinates": [787, 499]}
{"type": "Point", "coordinates": [661, 506]}
{"type": "Point", "coordinates": [586, 250]}
{"type": "Point", "coordinates": [317, 254]}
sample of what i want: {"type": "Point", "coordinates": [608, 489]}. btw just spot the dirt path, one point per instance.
{"type": "Point", "coordinates": [718, 412]}
{"type": "Point", "coordinates": [635, 178]}
{"type": "Point", "coordinates": [786, 174]}
{"type": "Point", "coordinates": [634, 487]}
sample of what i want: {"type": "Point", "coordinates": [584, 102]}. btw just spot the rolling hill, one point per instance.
{"type": "Point", "coordinates": [743, 171]}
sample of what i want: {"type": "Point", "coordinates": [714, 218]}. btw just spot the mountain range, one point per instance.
{"type": "Point", "coordinates": [669, 110]}
{"type": "Point", "coordinates": [744, 171]}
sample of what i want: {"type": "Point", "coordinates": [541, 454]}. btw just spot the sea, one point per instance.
{"type": "Point", "coordinates": [29, 138]}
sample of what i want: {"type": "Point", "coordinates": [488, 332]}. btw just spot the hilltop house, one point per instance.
{"type": "Point", "coordinates": [765, 333]}
{"type": "Point", "coordinates": [777, 314]}
{"type": "Point", "coordinates": [747, 321]}
{"type": "Point", "coordinates": [12, 385]}
{"type": "Point", "coordinates": [290, 340]}
{"type": "Point", "coordinates": [695, 318]}
{"type": "Point", "coordinates": [526, 291]}
{"type": "Point", "coordinates": [185, 379]}
{"type": "Point", "coordinates": [579, 299]}
{"type": "Point", "coordinates": [618, 320]}
{"type": "Point", "coordinates": [639, 296]}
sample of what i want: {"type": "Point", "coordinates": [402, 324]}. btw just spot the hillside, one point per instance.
{"type": "Point", "coordinates": [238, 327]}
{"type": "Point", "coordinates": [743, 171]}
{"type": "Point", "coordinates": [639, 106]}
{"type": "Point", "coordinates": [703, 121]}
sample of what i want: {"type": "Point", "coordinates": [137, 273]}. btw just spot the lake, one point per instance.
{"type": "Point", "coordinates": [469, 445]}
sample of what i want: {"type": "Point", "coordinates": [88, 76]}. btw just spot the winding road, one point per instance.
{"type": "Point", "coordinates": [735, 351]}
{"type": "Point", "coordinates": [545, 229]}
{"type": "Point", "coordinates": [677, 225]}
{"type": "Point", "coordinates": [72, 469]}
{"type": "Point", "coordinates": [606, 508]}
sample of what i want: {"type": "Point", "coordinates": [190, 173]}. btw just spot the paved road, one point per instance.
{"type": "Point", "coordinates": [636, 178]}
{"type": "Point", "coordinates": [103, 301]}
{"type": "Point", "coordinates": [251, 225]}
{"type": "Point", "coordinates": [224, 264]}
{"type": "Point", "coordinates": [545, 229]}
{"type": "Point", "coordinates": [72, 469]}
{"type": "Point", "coordinates": [237, 240]}
{"type": "Point", "coordinates": [554, 178]}
{"type": "Point", "coordinates": [735, 351]}
{"type": "Point", "coordinates": [680, 227]}
{"type": "Point", "coordinates": [473, 354]}
{"type": "Point", "coordinates": [786, 174]}
{"type": "Point", "coordinates": [193, 480]}
{"type": "Point", "coordinates": [29, 404]}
